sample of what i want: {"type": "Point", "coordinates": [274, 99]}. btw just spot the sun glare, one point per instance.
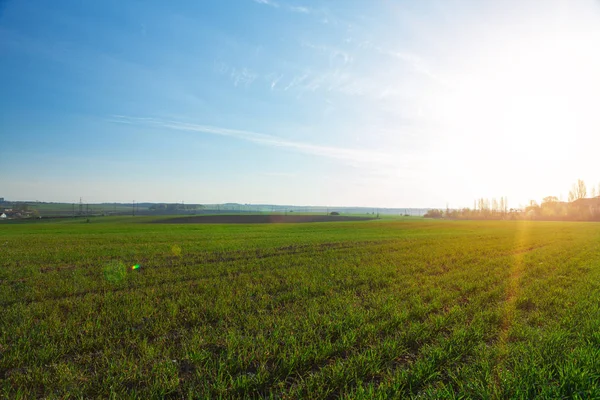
{"type": "Point", "coordinates": [527, 97]}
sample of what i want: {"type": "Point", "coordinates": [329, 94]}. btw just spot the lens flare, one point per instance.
{"type": "Point", "coordinates": [136, 266]}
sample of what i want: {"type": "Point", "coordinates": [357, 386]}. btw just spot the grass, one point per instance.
{"type": "Point", "coordinates": [378, 309]}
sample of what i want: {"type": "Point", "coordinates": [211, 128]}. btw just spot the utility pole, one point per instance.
{"type": "Point", "coordinates": [133, 208]}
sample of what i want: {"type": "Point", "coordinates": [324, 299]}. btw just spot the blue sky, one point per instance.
{"type": "Point", "coordinates": [378, 103]}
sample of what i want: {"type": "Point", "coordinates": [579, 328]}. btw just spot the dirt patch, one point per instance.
{"type": "Point", "coordinates": [257, 219]}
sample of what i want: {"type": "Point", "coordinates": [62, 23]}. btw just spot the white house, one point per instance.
{"type": "Point", "coordinates": [2, 216]}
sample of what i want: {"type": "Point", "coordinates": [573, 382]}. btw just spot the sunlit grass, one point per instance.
{"type": "Point", "coordinates": [355, 310]}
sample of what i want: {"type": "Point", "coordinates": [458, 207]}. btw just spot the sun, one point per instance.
{"type": "Point", "coordinates": [538, 89]}
{"type": "Point", "coordinates": [519, 108]}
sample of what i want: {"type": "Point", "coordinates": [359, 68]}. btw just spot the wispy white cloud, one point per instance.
{"type": "Point", "coordinates": [300, 9]}
{"type": "Point", "coordinates": [417, 64]}
{"type": "Point", "coordinates": [288, 7]}
{"type": "Point", "coordinates": [348, 155]}
{"type": "Point", "coordinates": [239, 76]}
{"type": "Point", "coordinates": [275, 81]}
{"type": "Point", "coordinates": [220, 67]}
{"type": "Point", "coordinates": [242, 77]}
{"type": "Point", "coordinates": [268, 3]}
{"type": "Point", "coordinates": [296, 81]}
{"type": "Point", "coordinates": [337, 57]}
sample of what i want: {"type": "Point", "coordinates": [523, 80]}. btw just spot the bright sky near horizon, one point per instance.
{"type": "Point", "coordinates": [305, 102]}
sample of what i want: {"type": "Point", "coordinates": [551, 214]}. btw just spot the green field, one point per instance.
{"type": "Point", "coordinates": [385, 308]}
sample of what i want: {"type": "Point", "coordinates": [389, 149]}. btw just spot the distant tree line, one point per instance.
{"type": "Point", "coordinates": [579, 207]}
{"type": "Point", "coordinates": [174, 207]}
{"type": "Point", "coordinates": [482, 209]}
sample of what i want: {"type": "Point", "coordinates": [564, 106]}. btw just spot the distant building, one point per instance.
{"type": "Point", "coordinates": [1, 199]}
{"type": "Point", "coordinates": [2, 216]}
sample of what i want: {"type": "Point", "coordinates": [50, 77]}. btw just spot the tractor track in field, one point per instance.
{"type": "Point", "coordinates": [288, 250]}
{"type": "Point", "coordinates": [242, 255]}
{"type": "Point", "coordinates": [174, 261]}
{"type": "Point", "coordinates": [238, 255]}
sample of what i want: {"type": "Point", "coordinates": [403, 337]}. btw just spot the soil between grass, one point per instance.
{"type": "Point", "coordinates": [258, 219]}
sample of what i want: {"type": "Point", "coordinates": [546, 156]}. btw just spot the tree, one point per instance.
{"type": "Point", "coordinates": [434, 213]}
{"type": "Point", "coordinates": [533, 209]}
{"type": "Point", "coordinates": [581, 189]}
{"type": "Point", "coordinates": [504, 205]}
{"type": "Point", "coordinates": [550, 199]}
{"type": "Point", "coordinates": [550, 206]}
{"type": "Point", "coordinates": [578, 191]}
{"type": "Point", "coordinates": [23, 207]}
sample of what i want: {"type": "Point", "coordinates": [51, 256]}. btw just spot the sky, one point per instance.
{"type": "Point", "coordinates": [350, 103]}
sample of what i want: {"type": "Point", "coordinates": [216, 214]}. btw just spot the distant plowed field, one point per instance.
{"type": "Point", "coordinates": [258, 219]}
